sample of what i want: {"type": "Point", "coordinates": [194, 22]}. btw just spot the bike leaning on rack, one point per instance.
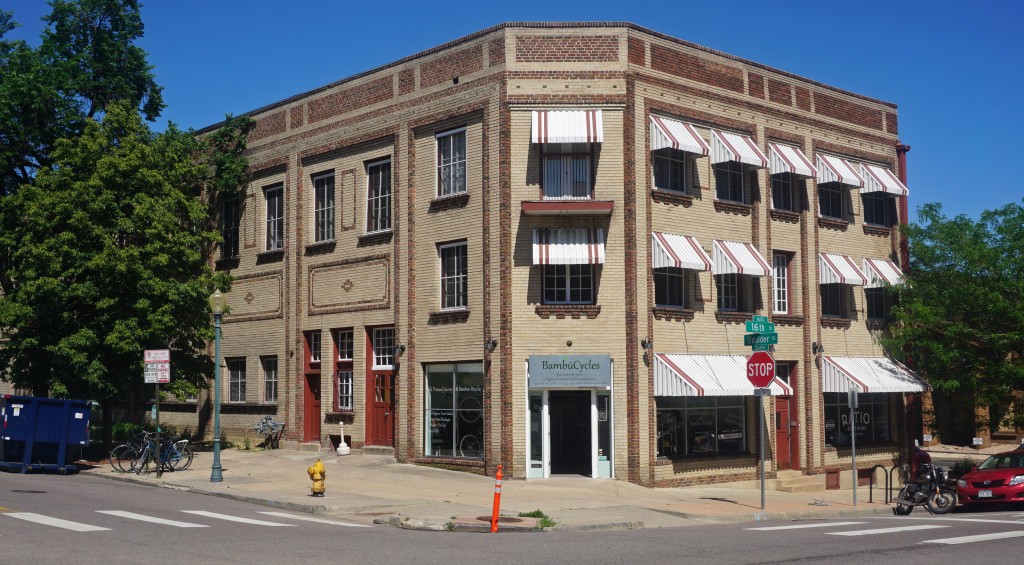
{"type": "Point", "coordinates": [140, 452]}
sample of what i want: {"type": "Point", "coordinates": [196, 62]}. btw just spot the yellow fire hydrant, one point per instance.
{"type": "Point", "coordinates": [317, 474]}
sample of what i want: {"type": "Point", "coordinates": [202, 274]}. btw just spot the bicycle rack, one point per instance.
{"type": "Point", "coordinates": [871, 484]}
{"type": "Point", "coordinates": [890, 482]}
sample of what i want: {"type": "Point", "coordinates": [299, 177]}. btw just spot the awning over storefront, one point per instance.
{"type": "Point", "coordinates": [567, 126]}
{"type": "Point", "coordinates": [868, 374]}
{"type": "Point", "coordinates": [789, 159]}
{"type": "Point", "coordinates": [731, 147]}
{"type": "Point", "coordinates": [834, 169]}
{"type": "Point", "coordinates": [739, 258]}
{"type": "Point", "coordinates": [706, 375]}
{"type": "Point", "coordinates": [680, 251]}
{"type": "Point", "coordinates": [666, 133]}
{"type": "Point", "coordinates": [879, 272]}
{"type": "Point", "coordinates": [880, 179]}
{"type": "Point", "coordinates": [580, 246]}
{"type": "Point", "coordinates": [839, 269]}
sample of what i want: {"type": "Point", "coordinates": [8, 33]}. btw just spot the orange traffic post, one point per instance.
{"type": "Point", "coordinates": [497, 500]}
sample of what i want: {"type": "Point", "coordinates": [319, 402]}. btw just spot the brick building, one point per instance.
{"type": "Point", "coordinates": [538, 245]}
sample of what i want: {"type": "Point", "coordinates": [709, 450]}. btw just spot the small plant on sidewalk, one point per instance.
{"type": "Point", "coordinates": [544, 521]}
{"type": "Point", "coordinates": [961, 467]}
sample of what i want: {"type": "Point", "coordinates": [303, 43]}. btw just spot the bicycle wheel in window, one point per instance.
{"type": "Point", "coordinates": [469, 409]}
{"type": "Point", "coordinates": [469, 446]}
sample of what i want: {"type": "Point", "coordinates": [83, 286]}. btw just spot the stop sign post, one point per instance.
{"type": "Point", "coordinates": [760, 369]}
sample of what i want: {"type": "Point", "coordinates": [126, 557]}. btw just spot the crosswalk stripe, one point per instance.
{"type": "Point", "coordinates": [55, 522]}
{"type": "Point", "coordinates": [1008, 522]}
{"type": "Point", "coordinates": [314, 519]}
{"type": "Point", "coordinates": [235, 518]}
{"type": "Point", "coordinates": [972, 539]}
{"type": "Point", "coordinates": [802, 526]}
{"type": "Point", "coordinates": [153, 519]}
{"type": "Point", "coordinates": [886, 530]}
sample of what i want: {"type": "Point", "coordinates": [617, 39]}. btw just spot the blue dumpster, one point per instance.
{"type": "Point", "coordinates": [37, 433]}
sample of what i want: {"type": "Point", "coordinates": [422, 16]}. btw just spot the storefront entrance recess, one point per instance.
{"type": "Point", "coordinates": [570, 432]}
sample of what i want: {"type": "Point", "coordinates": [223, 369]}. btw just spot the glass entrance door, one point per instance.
{"type": "Point", "coordinates": [570, 432]}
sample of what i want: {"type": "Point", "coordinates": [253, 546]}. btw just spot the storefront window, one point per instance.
{"type": "Point", "coordinates": [453, 415]}
{"type": "Point", "coordinates": [700, 426]}
{"type": "Point", "coordinates": [871, 418]}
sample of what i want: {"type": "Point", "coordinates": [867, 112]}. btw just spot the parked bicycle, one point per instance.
{"type": "Point", "coordinates": [271, 431]}
{"type": "Point", "coordinates": [139, 454]}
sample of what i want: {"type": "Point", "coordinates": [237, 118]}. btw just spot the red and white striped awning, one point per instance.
{"type": "Point", "coordinates": [679, 251]}
{"type": "Point", "coordinates": [839, 269]}
{"type": "Point", "coordinates": [706, 375]}
{"type": "Point", "coordinates": [880, 272]}
{"type": "Point", "coordinates": [834, 169]}
{"type": "Point", "coordinates": [880, 179]}
{"type": "Point", "coordinates": [731, 147]}
{"type": "Point", "coordinates": [868, 374]}
{"type": "Point", "coordinates": [789, 159]}
{"type": "Point", "coordinates": [666, 133]}
{"type": "Point", "coordinates": [579, 246]}
{"type": "Point", "coordinates": [567, 126]}
{"type": "Point", "coordinates": [739, 258]}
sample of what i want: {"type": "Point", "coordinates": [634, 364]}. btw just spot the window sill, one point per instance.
{"type": "Point", "coordinates": [247, 408]}
{"type": "Point", "coordinates": [672, 197]}
{"type": "Point", "coordinates": [836, 323]}
{"type": "Point", "coordinates": [474, 465]}
{"type": "Point", "coordinates": [346, 416]}
{"type": "Point", "coordinates": [271, 256]}
{"type": "Point", "coordinates": [227, 263]}
{"type": "Point", "coordinates": [731, 207]}
{"type": "Point", "coordinates": [785, 216]}
{"type": "Point", "coordinates": [881, 231]}
{"type": "Point", "coordinates": [574, 311]}
{"type": "Point", "coordinates": [730, 317]}
{"type": "Point", "coordinates": [833, 224]}
{"type": "Point", "coordinates": [574, 207]}
{"type": "Point", "coordinates": [669, 460]}
{"type": "Point", "coordinates": [788, 320]}
{"type": "Point", "coordinates": [673, 314]}
{"type": "Point", "coordinates": [448, 317]}
{"type": "Point", "coordinates": [449, 202]}
{"type": "Point", "coordinates": [320, 247]}
{"type": "Point", "coordinates": [375, 238]}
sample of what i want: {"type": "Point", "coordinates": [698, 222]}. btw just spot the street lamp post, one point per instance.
{"type": "Point", "coordinates": [217, 303]}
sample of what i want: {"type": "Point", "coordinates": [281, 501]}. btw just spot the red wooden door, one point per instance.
{"type": "Point", "coordinates": [380, 388]}
{"type": "Point", "coordinates": [311, 408]}
{"type": "Point", "coordinates": [782, 432]}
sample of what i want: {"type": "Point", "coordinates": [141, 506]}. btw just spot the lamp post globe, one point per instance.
{"type": "Point", "coordinates": [217, 304]}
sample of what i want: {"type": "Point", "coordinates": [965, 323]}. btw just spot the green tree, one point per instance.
{"type": "Point", "coordinates": [960, 318]}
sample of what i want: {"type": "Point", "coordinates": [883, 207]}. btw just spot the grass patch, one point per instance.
{"type": "Point", "coordinates": [543, 520]}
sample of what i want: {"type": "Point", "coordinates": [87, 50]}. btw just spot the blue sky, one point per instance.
{"type": "Point", "coordinates": [951, 67]}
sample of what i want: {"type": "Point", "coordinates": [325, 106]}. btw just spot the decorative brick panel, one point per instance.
{"type": "Point", "coordinates": [574, 311]}
{"type": "Point", "coordinates": [444, 69]}
{"type": "Point", "coordinates": [891, 125]}
{"type": "Point", "coordinates": [733, 207]}
{"type": "Point", "coordinates": [847, 111]}
{"type": "Point", "coordinates": [755, 85]}
{"type": "Point", "coordinates": [496, 52]}
{"type": "Point", "coordinates": [406, 81]}
{"type": "Point", "coordinates": [268, 125]}
{"type": "Point", "coordinates": [675, 199]}
{"type": "Point", "coordinates": [780, 92]}
{"type": "Point", "coordinates": [833, 224]}
{"type": "Point", "coordinates": [636, 51]}
{"type": "Point", "coordinates": [372, 92]}
{"type": "Point", "coordinates": [298, 116]}
{"type": "Point", "coordinates": [567, 48]}
{"type": "Point", "coordinates": [696, 68]}
{"type": "Point", "coordinates": [803, 98]}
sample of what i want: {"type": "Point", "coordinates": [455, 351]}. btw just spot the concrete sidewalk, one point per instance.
{"type": "Point", "coordinates": [377, 489]}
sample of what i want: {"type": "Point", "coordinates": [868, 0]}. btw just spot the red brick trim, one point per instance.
{"type": "Point", "coordinates": [562, 311]}
{"type": "Point", "coordinates": [788, 320]}
{"type": "Point", "coordinates": [785, 216]}
{"type": "Point", "coordinates": [880, 231]}
{"type": "Point", "coordinates": [726, 317]}
{"type": "Point", "coordinates": [447, 317]}
{"type": "Point", "coordinates": [444, 203]}
{"type": "Point", "coordinates": [835, 323]}
{"type": "Point", "coordinates": [833, 224]}
{"type": "Point", "coordinates": [673, 314]}
{"type": "Point", "coordinates": [566, 48]}
{"type": "Point", "coordinates": [737, 208]}
{"type": "Point", "coordinates": [673, 198]}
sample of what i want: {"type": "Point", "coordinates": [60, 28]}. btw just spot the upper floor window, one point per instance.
{"type": "Point", "coordinates": [454, 276]}
{"type": "Point", "coordinates": [879, 209]}
{"type": "Point", "coordinates": [785, 194]}
{"type": "Point", "coordinates": [344, 342]}
{"type": "Point", "coordinates": [343, 381]}
{"type": "Point", "coordinates": [879, 301]}
{"type": "Point", "coordinates": [323, 207]}
{"type": "Point", "coordinates": [567, 174]}
{"type": "Point", "coordinates": [451, 162]}
{"type": "Point", "coordinates": [727, 286]}
{"type": "Point", "coordinates": [835, 300]}
{"type": "Point", "coordinates": [568, 284]}
{"type": "Point", "coordinates": [313, 342]}
{"type": "Point", "coordinates": [729, 181]}
{"type": "Point", "coordinates": [670, 287]}
{"type": "Point", "coordinates": [231, 221]}
{"type": "Point", "coordinates": [780, 280]}
{"type": "Point", "coordinates": [383, 347]}
{"type": "Point", "coordinates": [674, 170]}
{"type": "Point", "coordinates": [274, 196]}
{"type": "Point", "coordinates": [378, 196]}
{"type": "Point", "coordinates": [832, 200]}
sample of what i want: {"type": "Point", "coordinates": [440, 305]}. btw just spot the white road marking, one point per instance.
{"type": "Point", "coordinates": [972, 539]}
{"type": "Point", "coordinates": [886, 530]}
{"type": "Point", "coordinates": [985, 520]}
{"type": "Point", "coordinates": [235, 518]}
{"type": "Point", "coordinates": [314, 519]}
{"type": "Point", "coordinates": [55, 522]}
{"type": "Point", "coordinates": [153, 519]}
{"type": "Point", "coordinates": [801, 526]}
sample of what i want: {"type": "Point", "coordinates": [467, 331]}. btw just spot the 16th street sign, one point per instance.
{"type": "Point", "coordinates": [760, 327]}
{"type": "Point", "coordinates": [760, 369]}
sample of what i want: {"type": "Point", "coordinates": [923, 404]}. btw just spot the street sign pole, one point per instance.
{"type": "Point", "coordinates": [852, 400]}
{"type": "Point", "coordinates": [760, 418]}
{"type": "Point", "coordinates": [159, 466]}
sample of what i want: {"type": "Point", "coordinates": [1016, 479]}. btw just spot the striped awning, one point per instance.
{"type": "Point", "coordinates": [789, 159]}
{"type": "Point", "coordinates": [839, 269]}
{"type": "Point", "coordinates": [567, 126]}
{"type": "Point", "coordinates": [679, 251]}
{"type": "Point", "coordinates": [739, 258]}
{"type": "Point", "coordinates": [731, 147]}
{"type": "Point", "coordinates": [834, 169]}
{"type": "Point", "coordinates": [580, 246]}
{"type": "Point", "coordinates": [868, 374]}
{"type": "Point", "coordinates": [880, 272]}
{"type": "Point", "coordinates": [880, 179]}
{"type": "Point", "coordinates": [706, 375]}
{"type": "Point", "coordinates": [666, 133]}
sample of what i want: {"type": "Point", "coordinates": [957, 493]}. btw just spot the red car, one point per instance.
{"type": "Point", "coordinates": [1000, 478]}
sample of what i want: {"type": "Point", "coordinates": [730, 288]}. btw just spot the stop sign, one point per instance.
{"type": "Point", "coordinates": [760, 369]}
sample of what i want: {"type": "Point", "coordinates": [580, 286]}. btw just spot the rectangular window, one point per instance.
{"type": "Point", "coordinates": [378, 196]}
{"type": "Point", "coordinates": [568, 284]}
{"type": "Point", "coordinates": [453, 410]}
{"type": "Point", "coordinates": [236, 380]}
{"type": "Point", "coordinates": [566, 171]}
{"type": "Point", "coordinates": [345, 344]}
{"type": "Point", "coordinates": [785, 195]}
{"type": "Point", "coordinates": [879, 302]}
{"type": "Point", "coordinates": [323, 207]}
{"type": "Point", "coordinates": [834, 300]}
{"type": "Point", "coordinates": [780, 280]}
{"type": "Point", "coordinates": [871, 419]}
{"type": "Point", "coordinates": [274, 196]}
{"type": "Point", "coordinates": [830, 197]}
{"type": "Point", "coordinates": [454, 276]}
{"type": "Point", "coordinates": [783, 370]}
{"type": "Point", "coordinates": [879, 209]}
{"type": "Point", "coordinates": [673, 170]}
{"type": "Point", "coordinates": [700, 426]}
{"type": "Point", "coordinates": [728, 291]}
{"type": "Point", "coordinates": [383, 348]}
{"type": "Point", "coordinates": [729, 181]}
{"type": "Point", "coordinates": [314, 346]}
{"type": "Point", "coordinates": [270, 379]}
{"type": "Point", "coordinates": [231, 221]}
{"type": "Point", "coordinates": [343, 391]}
{"type": "Point", "coordinates": [669, 284]}
{"type": "Point", "coordinates": [451, 162]}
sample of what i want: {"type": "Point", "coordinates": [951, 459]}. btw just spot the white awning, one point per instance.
{"type": "Point", "coordinates": [834, 169]}
{"type": "Point", "coordinates": [731, 147]}
{"type": "Point", "coordinates": [739, 258]}
{"type": "Point", "coordinates": [839, 269]}
{"type": "Point", "coordinates": [580, 246]}
{"type": "Point", "coordinates": [868, 374]}
{"type": "Point", "coordinates": [880, 179]}
{"type": "Point", "coordinates": [789, 159]}
{"type": "Point", "coordinates": [879, 272]}
{"type": "Point", "coordinates": [676, 135]}
{"type": "Point", "coordinates": [706, 375]}
{"type": "Point", "coordinates": [567, 126]}
{"type": "Point", "coordinates": [680, 251]}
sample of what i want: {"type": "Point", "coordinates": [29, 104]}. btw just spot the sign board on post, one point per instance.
{"type": "Point", "coordinates": [761, 339]}
{"type": "Point", "coordinates": [760, 327]}
{"type": "Point", "coordinates": [760, 369]}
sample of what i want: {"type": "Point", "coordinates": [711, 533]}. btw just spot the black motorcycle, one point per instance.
{"type": "Point", "coordinates": [931, 489]}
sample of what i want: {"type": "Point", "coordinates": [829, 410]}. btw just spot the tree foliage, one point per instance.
{"type": "Point", "coordinates": [961, 317]}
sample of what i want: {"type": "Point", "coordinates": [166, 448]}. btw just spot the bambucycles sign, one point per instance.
{"type": "Point", "coordinates": [570, 371]}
